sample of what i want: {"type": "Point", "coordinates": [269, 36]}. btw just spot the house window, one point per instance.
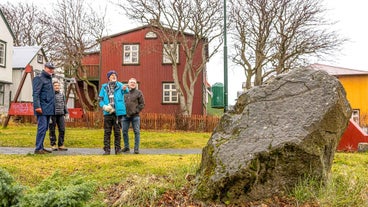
{"type": "Point", "coordinates": [170, 95]}
{"type": "Point", "coordinates": [355, 116]}
{"type": "Point", "coordinates": [130, 54]}
{"type": "Point", "coordinates": [151, 35]}
{"type": "Point", "coordinates": [2, 94]}
{"type": "Point", "coordinates": [40, 58]}
{"type": "Point", "coordinates": [168, 51]}
{"type": "Point", "coordinates": [2, 53]}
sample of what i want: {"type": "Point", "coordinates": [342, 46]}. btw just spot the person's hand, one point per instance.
{"type": "Point", "coordinates": [112, 110]}
{"type": "Point", "coordinates": [124, 87]}
{"type": "Point", "coordinates": [39, 110]}
{"type": "Point", "coordinates": [66, 116]}
{"type": "Point", "coordinates": [108, 108]}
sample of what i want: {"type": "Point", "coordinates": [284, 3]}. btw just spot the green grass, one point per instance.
{"type": "Point", "coordinates": [24, 136]}
{"type": "Point", "coordinates": [146, 177]}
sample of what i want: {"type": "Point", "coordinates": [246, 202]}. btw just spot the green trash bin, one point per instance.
{"type": "Point", "coordinates": [217, 95]}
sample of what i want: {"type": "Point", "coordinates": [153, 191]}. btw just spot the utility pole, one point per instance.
{"type": "Point", "coordinates": [225, 61]}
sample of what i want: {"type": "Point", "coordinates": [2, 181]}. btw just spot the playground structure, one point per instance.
{"type": "Point", "coordinates": [26, 108]}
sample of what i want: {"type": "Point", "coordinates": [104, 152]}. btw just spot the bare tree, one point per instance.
{"type": "Point", "coordinates": [190, 24]}
{"type": "Point", "coordinates": [26, 21]}
{"type": "Point", "coordinates": [272, 37]}
{"type": "Point", "coordinates": [66, 32]}
{"type": "Point", "coordinates": [76, 27]}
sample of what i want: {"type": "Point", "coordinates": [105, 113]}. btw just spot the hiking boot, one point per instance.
{"type": "Point", "coordinates": [62, 148]}
{"type": "Point", "coordinates": [39, 152]}
{"type": "Point", "coordinates": [136, 151]}
{"type": "Point", "coordinates": [107, 150]}
{"type": "Point", "coordinates": [126, 149]}
{"type": "Point", "coordinates": [118, 151]}
{"type": "Point", "coordinates": [54, 148]}
{"type": "Point", "coordinates": [47, 151]}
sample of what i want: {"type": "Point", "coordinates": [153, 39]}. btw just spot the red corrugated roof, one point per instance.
{"type": "Point", "coordinates": [338, 71]}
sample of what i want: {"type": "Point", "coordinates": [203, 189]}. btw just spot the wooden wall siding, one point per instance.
{"type": "Point", "coordinates": [91, 59]}
{"type": "Point", "coordinates": [150, 72]}
{"type": "Point", "coordinates": [92, 72]}
{"type": "Point", "coordinates": [356, 88]}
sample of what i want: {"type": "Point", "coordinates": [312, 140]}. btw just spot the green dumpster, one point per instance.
{"type": "Point", "coordinates": [217, 95]}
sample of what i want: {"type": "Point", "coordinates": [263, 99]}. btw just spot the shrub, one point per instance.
{"type": "Point", "coordinates": [57, 191]}
{"type": "Point", "coordinates": [10, 192]}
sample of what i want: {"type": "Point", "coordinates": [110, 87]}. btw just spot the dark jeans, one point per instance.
{"type": "Point", "coordinates": [42, 126]}
{"type": "Point", "coordinates": [136, 123]}
{"type": "Point", "coordinates": [60, 122]}
{"type": "Point", "coordinates": [111, 122]}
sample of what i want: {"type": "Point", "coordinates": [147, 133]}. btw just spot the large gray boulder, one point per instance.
{"type": "Point", "coordinates": [277, 134]}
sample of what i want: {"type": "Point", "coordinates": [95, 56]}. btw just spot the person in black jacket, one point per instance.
{"type": "Point", "coordinates": [44, 104]}
{"type": "Point", "coordinates": [58, 119]}
{"type": "Point", "coordinates": [134, 102]}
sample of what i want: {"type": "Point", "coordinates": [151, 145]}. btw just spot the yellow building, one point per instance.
{"type": "Point", "coordinates": [355, 83]}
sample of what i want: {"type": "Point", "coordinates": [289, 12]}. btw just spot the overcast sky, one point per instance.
{"type": "Point", "coordinates": [351, 16]}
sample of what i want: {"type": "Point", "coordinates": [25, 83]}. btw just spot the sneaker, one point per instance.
{"type": "Point", "coordinates": [106, 153]}
{"type": "Point", "coordinates": [54, 148]}
{"type": "Point", "coordinates": [62, 148]}
{"type": "Point", "coordinates": [136, 151]}
{"type": "Point", "coordinates": [126, 149]}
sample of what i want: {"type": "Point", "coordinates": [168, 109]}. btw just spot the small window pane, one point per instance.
{"type": "Point", "coordinates": [170, 95]}
{"type": "Point", "coordinates": [131, 54]}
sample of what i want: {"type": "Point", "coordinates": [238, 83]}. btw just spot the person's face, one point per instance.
{"type": "Point", "coordinates": [56, 86]}
{"type": "Point", "coordinates": [132, 83]}
{"type": "Point", "coordinates": [49, 70]}
{"type": "Point", "coordinates": [113, 77]}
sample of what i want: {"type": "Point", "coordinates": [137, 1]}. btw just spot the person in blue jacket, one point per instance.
{"type": "Point", "coordinates": [111, 99]}
{"type": "Point", "coordinates": [44, 104]}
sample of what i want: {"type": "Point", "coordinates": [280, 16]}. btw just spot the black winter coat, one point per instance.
{"type": "Point", "coordinates": [134, 102]}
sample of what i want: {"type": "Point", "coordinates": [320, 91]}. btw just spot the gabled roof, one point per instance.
{"type": "Point", "coordinates": [7, 24]}
{"type": "Point", "coordinates": [338, 71]}
{"type": "Point", "coordinates": [136, 29]}
{"type": "Point", "coordinates": [22, 56]}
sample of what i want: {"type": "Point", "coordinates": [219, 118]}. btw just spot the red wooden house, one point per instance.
{"type": "Point", "coordinates": [139, 53]}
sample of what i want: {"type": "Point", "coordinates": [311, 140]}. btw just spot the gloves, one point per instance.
{"type": "Point", "coordinates": [108, 108]}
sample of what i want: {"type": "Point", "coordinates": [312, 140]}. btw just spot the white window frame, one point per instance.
{"type": "Point", "coordinates": [2, 54]}
{"type": "Point", "coordinates": [355, 115]}
{"type": "Point", "coordinates": [40, 58]}
{"type": "Point", "coordinates": [166, 56]}
{"type": "Point", "coordinates": [131, 54]}
{"type": "Point", "coordinates": [2, 94]}
{"type": "Point", "coordinates": [169, 93]}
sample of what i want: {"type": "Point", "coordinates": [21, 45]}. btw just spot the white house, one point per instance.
{"type": "Point", "coordinates": [6, 62]}
{"type": "Point", "coordinates": [23, 56]}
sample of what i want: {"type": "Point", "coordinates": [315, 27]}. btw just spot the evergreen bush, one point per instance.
{"type": "Point", "coordinates": [10, 192]}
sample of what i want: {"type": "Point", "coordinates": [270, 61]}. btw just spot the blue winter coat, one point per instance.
{"type": "Point", "coordinates": [43, 94]}
{"type": "Point", "coordinates": [118, 98]}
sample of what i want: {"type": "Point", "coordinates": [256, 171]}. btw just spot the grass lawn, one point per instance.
{"type": "Point", "coordinates": [143, 180]}
{"type": "Point", "coordinates": [24, 136]}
